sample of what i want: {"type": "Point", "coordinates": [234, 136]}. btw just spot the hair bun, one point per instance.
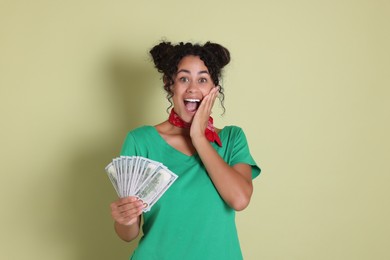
{"type": "Point", "coordinates": [160, 55]}
{"type": "Point", "coordinates": [221, 54]}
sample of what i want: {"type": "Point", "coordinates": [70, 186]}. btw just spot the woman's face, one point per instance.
{"type": "Point", "coordinates": [192, 83]}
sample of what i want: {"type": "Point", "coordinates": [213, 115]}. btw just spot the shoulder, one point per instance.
{"type": "Point", "coordinates": [139, 135]}
{"type": "Point", "coordinates": [232, 134]}
{"type": "Point", "coordinates": [138, 141]}
{"type": "Point", "coordinates": [141, 131]}
{"type": "Point", "coordinates": [231, 130]}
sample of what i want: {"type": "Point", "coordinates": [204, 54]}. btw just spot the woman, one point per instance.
{"type": "Point", "coordinates": [195, 218]}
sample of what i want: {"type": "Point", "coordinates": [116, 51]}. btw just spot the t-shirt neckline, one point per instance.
{"type": "Point", "coordinates": [166, 144]}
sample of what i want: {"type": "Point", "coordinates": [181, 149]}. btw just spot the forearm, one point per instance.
{"type": "Point", "coordinates": [234, 184]}
{"type": "Point", "coordinates": [128, 232]}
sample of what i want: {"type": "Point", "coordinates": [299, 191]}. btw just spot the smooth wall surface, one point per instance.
{"type": "Point", "coordinates": [309, 83]}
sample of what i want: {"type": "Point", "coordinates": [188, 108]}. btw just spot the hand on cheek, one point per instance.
{"type": "Point", "coordinates": [201, 117]}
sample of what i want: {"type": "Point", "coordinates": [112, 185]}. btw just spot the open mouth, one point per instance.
{"type": "Point", "coordinates": [191, 104]}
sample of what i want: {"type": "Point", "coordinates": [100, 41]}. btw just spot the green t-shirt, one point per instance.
{"type": "Point", "coordinates": [190, 221]}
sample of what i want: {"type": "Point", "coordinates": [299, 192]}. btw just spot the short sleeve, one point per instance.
{"type": "Point", "coordinates": [241, 152]}
{"type": "Point", "coordinates": [129, 147]}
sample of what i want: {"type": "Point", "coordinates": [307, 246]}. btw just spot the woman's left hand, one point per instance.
{"type": "Point", "coordinates": [201, 117]}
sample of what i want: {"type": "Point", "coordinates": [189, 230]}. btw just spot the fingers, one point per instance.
{"type": "Point", "coordinates": [209, 100]}
{"type": "Point", "coordinates": [126, 211]}
{"type": "Point", "coordinates": [201, 117]}
{"type": "Point", "coordinates": [213, 96]}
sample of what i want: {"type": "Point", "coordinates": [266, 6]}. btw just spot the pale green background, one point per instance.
{"type": "Point", "coordinates": [308, 82]}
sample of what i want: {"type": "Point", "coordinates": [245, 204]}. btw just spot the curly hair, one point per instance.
{"type": "Point", "coordinates": [166, 58]}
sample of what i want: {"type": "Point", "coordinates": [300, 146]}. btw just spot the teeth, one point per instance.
{"type": "Point", "coordinates": [192, 100]}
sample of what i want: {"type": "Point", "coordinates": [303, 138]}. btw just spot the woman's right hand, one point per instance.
{"type": "Point", "coordinates": [126, 211]}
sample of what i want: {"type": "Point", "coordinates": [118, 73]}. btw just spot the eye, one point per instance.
{"type": "Point", "coordinates": [202, 80]}
{"type": "Point", "coordinates": [184, 79]}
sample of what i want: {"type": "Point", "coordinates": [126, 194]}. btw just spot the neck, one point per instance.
{"type": "Point", "coordinates": [178, 130]}
{"type": "Point", "coordinates": [183, 128]}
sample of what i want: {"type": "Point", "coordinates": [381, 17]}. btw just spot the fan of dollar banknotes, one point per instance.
{"type": "Point", "coordinates": [140, 177]}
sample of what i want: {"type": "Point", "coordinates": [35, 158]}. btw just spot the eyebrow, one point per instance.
{"type": "Point", "coordinates": [187, 71]}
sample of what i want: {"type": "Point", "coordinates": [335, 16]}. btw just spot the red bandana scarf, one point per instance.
{"type": "Point", "coordinates": [210, 133]}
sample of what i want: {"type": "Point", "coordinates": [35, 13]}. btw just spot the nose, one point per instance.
{"type": "Point", "coordinates": [192, 87]}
